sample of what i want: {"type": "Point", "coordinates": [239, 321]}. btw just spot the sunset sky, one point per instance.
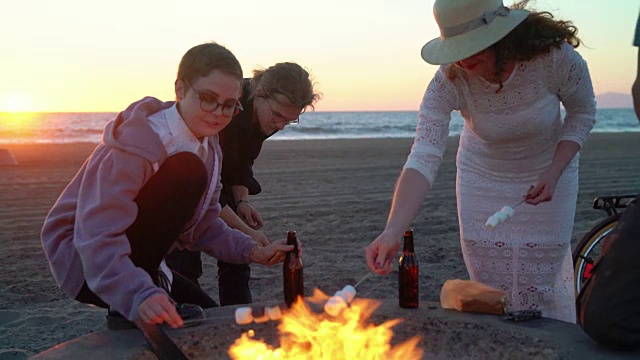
{"type": "Point", "coordinates": [72, 55]}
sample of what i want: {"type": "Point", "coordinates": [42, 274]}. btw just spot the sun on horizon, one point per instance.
{"type": "Point", "coordinates": [17, 103]}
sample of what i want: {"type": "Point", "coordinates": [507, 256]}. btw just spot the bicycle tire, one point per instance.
{"type": "Point", "coordinates": [586, 245]}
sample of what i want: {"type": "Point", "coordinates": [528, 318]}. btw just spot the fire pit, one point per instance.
{"type": "Point", "coordinates": [434, 332]}
{"type": "Point", "coordinates": [443, 334]}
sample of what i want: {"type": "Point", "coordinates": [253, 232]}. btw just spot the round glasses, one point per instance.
{"type": "Point", "coordinates": [279, 116]}
{"type": "Point", "coordinates": [210, 104]}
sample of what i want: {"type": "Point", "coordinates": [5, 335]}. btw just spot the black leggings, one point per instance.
{"type": "Point", "coordinates": [165, 204]}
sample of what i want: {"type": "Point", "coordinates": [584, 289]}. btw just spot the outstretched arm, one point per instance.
{"type": "Point", "coordinates": [411, 189]}
{"type": "Point", "coordinates": [249, 214]}
{"type": "Point", "coordinates": [419, 171]}
{"type": "Point", "coordinates": [235, 222]}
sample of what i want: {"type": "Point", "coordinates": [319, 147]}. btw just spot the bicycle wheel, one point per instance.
{"type": "Point", "coordinates": [588, 249]}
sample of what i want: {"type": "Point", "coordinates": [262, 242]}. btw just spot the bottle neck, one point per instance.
{"type": "Point", "coordinates": [293, 240]}
{"type": "Point", "coordinates": [408, 243]}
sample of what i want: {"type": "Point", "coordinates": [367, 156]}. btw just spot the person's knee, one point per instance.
{"type": "Point", "coordinates": [187, 171]}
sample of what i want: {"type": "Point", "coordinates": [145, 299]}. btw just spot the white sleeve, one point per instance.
{"type": "Point", "coordinates": [575, 91]}
{"type": "Point", "coordinates": [439, 100]}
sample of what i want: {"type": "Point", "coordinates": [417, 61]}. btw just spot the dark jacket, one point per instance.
{"type": "Point", "coordinates": [241, 143]}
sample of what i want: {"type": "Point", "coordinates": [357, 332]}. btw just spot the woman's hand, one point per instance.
{"type": "Point", "coordinates": [381, 251]}
{"type": "Point", "coordinates": [259, 237]}
{"type": "Point", "coordinates": [273, 253]}
{"type": "Point", "coordinates": [159, 308]}
{"type": "Point", "coordinates": [544, 189]}
{"type": "Point", "coordinates": [249, 215]}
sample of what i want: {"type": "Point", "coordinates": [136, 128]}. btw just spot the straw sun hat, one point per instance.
{"type": "Point", "coordinates": [468, 27]}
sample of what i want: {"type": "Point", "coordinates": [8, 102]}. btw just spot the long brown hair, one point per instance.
{"type": "Point", "coordinates": [535, 36]}
{"type": "Point", "coordinates": [288, 79]}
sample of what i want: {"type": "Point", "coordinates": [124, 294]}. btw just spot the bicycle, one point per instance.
{"type": "Point", "coordinates": [588, 248]}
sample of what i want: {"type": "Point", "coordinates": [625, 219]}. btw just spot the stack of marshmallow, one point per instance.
{"type": "Point", "coordinates": [333, 307]}
{"type": "Point", "coordinates": [340, 300]}
{"type": "Point", "coordinates": [499, 217]}
{"type": "Point", "coordinates": [247, 315]}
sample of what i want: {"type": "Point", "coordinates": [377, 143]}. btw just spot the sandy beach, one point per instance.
{"type": "Point", "coordinates": [334, 193]}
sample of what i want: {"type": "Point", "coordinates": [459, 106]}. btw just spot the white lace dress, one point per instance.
{"type": "Point", "coordinates": [507, 140]}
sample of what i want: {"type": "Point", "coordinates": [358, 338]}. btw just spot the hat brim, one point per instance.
{"type": "Point", "coordinates": [455, 48]}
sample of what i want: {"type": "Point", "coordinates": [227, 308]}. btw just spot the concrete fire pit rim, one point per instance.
{"type": "Point", "coordinates": [108, 344]}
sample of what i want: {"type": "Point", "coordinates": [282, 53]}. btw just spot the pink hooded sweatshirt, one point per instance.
{"type": "Point", "coordinates": [84, 234]}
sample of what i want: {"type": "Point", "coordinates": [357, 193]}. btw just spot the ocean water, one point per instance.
{"type": "Point", "coordinates": [87, 127]}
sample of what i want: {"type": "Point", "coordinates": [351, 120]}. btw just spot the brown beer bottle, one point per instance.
{"type": "Point", "coordinates": [292, 272]}
{"type": "Point", "coordinates": [408, 284]}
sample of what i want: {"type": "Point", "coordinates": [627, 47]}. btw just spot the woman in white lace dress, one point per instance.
{"type": "Point", "coordinates": [507, 71]}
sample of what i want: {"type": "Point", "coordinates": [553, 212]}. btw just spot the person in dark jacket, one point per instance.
{"type": "Point", "coordinates": [152, 186]}
{"type": "Point", "coordinates": [609, 303]}
{"type": "Point", "coordinates": [272, 99]}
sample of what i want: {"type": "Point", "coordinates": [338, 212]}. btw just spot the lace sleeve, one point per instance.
{"type": "Point", "coordinates": [575, 91]}
{"type": "Point", "coordinates": [433, 126]}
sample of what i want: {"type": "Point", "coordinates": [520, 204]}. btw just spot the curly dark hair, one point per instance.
{"type": "Point", "coordinates": [535, 36]}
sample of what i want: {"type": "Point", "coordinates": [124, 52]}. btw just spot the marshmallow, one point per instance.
{"type": "Point", "coordinates": [335, 305]}
{"type": "Point", "coordinates": [260, 315]}
{"type": "Point", "coordinates": [341, 294]}
{"type": "Point", "coordinates": [244, 316]}
{"type": "Point", "coordinates": [508, 210]}
{"type": "Point", "coordinates": [274, 313]}
{"type": "Point", "coordinates": [501, 217]}
{"type": "Point", "coordinates": [492, 222]}
{"type": "Point", "coordinates": [350, 292]}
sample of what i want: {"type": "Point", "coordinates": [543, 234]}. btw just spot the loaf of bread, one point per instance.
{"type": "Point", "coordinates": [472, 296]}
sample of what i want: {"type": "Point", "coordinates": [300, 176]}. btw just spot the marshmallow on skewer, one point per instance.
{"type": "Point", "coordinates": [350, 292]}
{"type": "Point", "coordinates": [508, 210]}
{"type": "Point", "coordinates": [492, 222]}
{"type": "Point", "coordinates": [341, 294]}
{"type": "Point", "coordinates": [499, 217]}
{"type": "Point", "coordinates": [244, 316]}
{"type": "Point", "coordinates": [502, 217]}
{"type": "Point", "coordinates": [335, 305]}
{"type": "Point", "coordinates": [273, 313]}
{"type": "Point", "coordinates": [260, 315]}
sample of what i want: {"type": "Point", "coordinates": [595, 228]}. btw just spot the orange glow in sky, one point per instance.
{"type": "Point", "coordinates": [74, 56]}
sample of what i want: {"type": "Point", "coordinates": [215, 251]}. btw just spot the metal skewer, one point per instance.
{"type": "Point", "coordinates": [223, 319]}
{"type": "Point", "coordinates": [518, 204]}
{"type": "Point", "coordinates": [220, 319]}
{"type": "Point", "coordinates": [363, 279]}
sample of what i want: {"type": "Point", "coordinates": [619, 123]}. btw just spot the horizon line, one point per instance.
{"type": "Point", "coordinates": [308, 112]}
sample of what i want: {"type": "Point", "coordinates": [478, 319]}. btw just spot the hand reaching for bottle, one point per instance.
{"type": "Point", "coordinates": [273, 253]}
{"type": "Point", "coordinates": [259, 237]}
{"type": "Point", "coordinates": [381, 252]}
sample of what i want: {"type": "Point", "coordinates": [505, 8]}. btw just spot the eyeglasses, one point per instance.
{"type": "Point", "coordinates": [210, 104]}
{"type": "Point", "coordinates": [278, 115]}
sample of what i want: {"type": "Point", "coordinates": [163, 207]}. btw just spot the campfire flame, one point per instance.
{"type": "Point", "coordinates": [305, 334]}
